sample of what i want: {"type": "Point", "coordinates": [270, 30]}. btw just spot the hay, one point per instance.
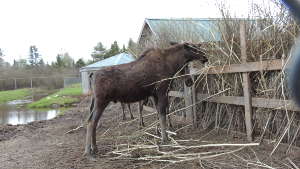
{"type": "Point", "coordinates": [270, 34]}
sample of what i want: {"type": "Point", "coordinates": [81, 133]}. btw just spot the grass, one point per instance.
{"type": "Point", "coordinates": [63, 98]}
{"type": "Point", "coordinates": [10, 95]}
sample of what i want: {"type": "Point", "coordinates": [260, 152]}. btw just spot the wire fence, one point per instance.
{"type": "Point", "coordinates": [49, 82]}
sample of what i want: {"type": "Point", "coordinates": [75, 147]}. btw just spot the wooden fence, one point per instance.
{"type": "Point", "coordinates": [191, 97]}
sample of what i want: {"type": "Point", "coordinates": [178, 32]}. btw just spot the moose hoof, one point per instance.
{"type": "Point", "coordinates": [89, 156]}
{"type": "Point", "coordinates": [94, 150]}
{"type": "Point", "coordinates": [164, 140]}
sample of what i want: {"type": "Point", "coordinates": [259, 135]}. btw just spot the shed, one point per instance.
{"type": "Point", "coordinates": [208, 28]}
{"type": "Point", "coordinates": [118, 59]}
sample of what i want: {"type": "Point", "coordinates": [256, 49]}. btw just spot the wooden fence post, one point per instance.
{"type": "Point", "coordinates": [15, 81]}
{"type": "Point", "coordinates": [31, 83]}
{"type": "Point", "coordinates": [194, 95]}
{"type": "Point", "coordinates": [246, 84]}
{"type": "Point", "coordinates": [188, 100]}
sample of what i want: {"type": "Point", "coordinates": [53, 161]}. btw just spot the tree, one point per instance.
{"type": "Point", "coordinates": [59, 62]}
{"type": "Point", "coordinates": [1, 53]}
{"type": "Point", "coordinates": [132, 47]}
{"type": "Point", "coordinates": [131, 44]}
{"type": "Point", "coordinates": [1, 58]}
{"type": "Point", "coordinates": [34, 56]}
{"type": "Point", "coordinates": [21, 63]}
{"type": "Point", "coordinates": [63, 61]}
{"type": "Point", "coordinates": [41, 62]}
{"type": "Point", "coordinates": [114, 49]}
{"type": "Point", "coordinates": [80, 63]}
{"type": "Point", "coordinates": [99, 52]}
{"type": "Point", "coordinates": [68, 61]}
{"type": "Point", "coordinates": [123, 49]}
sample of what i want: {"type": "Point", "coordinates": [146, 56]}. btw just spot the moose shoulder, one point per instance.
{"type": "Point", "coordinates": [137, 81]}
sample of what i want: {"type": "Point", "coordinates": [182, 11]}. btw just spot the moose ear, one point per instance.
{"type": "Point", "coordinates": [173, 43]}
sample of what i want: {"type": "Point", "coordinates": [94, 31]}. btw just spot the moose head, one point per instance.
{"type": "Point", "coordinates": [192, 52]}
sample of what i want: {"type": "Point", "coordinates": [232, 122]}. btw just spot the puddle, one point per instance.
{"type": "Point", "coordinates": [15, 112]}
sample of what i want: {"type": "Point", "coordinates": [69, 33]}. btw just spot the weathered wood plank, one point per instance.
{"type": "Point", "coordinates": [237, 100]}
{"type": "Point", "coordinates": [276, 64]}
{"type": "Point", "coordinates": [256, 102]}
{"type": "Point", "coordinates": [176, 94]}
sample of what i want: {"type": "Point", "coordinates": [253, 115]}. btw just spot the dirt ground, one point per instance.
{"type": "Point", "coordinates": [45, 144]}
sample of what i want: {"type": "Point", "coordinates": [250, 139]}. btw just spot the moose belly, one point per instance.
{"type": "Point", "coordinates": [130, 96]}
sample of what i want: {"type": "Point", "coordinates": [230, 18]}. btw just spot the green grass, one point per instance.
{"type": "Point", "coordinates": [10, 95]}
{"type": "Point", "coordinates": [63, 98]}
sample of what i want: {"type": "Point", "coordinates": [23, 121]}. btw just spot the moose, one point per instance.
{"type": "Point", "coordinates": [147, 76]}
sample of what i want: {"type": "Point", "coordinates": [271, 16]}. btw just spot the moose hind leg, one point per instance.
{"type": "Point", "coordinates": [87, 150]}
{"type": "Point", "coordinates": [100, 108]}
{"type": "Point", "coordinates": [129, 108]}
{"type": "Point", "coordinates": [141, 104]}
{"type": "Point", "coordinates": [123, 112]}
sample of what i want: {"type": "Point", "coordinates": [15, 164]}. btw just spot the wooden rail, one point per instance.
{"type": "Point", "coordinates": [276, 64]}
{"type": "Point", "coordinates": [239, 100]}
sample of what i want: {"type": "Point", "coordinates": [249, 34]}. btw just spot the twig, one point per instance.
{"type": "Point", "coordinates": [75, 129]}
{"type": "Point", "coordinates": [292, 163]}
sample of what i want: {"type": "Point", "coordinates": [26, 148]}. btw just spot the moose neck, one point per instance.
{"type": "Point", "coordinates": [176, 60]}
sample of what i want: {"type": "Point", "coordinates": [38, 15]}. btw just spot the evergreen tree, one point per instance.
{"type": "Point", "coordinates": [80, 63]}
{"type": "Point", "coordinates": [63, 61]}
{"type": "Point", "coordinates": [68, 61]}
{"type": "Point", "coordinates": [131, 45]}
{"type": "Point", "coordinates": [34, 56]}
{"type": "Point", "coordinates": [99, 52]}
{"type": "Point", "coordinates": [59, 61]}
{"type": "Point", "coordinates": [1, 58]}
{"type": "Point", "coordinates": [123, 49]}
{"type": "Point", "coordinates": [114, 49]}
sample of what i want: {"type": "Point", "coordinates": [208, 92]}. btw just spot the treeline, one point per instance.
{"type": "Point", "coordinates": [50, 75]}
{"type": "Point", "coordinates": [100, 52]}
{"type": "Point", "coordinates": [64, 60]}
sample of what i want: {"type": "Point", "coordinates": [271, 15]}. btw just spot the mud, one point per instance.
{"type": "Point", "coordinates": [45, 144]}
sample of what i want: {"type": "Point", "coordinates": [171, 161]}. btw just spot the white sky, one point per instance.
{"type": "Point", "coordinates": [75, 26]}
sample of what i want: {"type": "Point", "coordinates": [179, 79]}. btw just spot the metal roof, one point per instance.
{"type": "Point", "coordinates": [207, 28]}
{"type": "Point", "coordinates": [114, 60]}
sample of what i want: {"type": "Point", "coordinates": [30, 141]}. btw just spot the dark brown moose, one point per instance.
{"type": "Point", "coordinates": [138, 80]}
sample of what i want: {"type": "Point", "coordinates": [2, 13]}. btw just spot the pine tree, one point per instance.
{"type": "Point", "coordinates": [114, 50]}
{"type": "Point", "coordinates": [99, 52]}
{"type": "Point", "coordinates": [80, 63]}
{"type": "Point", "coordinates": [1, 58]}
{"type": "Point", "coordinates": [34, 56]}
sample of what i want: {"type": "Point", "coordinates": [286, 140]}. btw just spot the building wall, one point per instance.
{"type": "Point", "coordinates": [146, 36]}
{"type": "Point", "coordinates": [85, 82]}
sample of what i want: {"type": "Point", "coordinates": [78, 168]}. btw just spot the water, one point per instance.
{"type": "Point", "coordinates": [15, 112]}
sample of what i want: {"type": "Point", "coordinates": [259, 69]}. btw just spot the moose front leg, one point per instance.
{"type": "Point", "coordinates": [129, 108]}
{"type": "Point", "coordinates": [161, 108]}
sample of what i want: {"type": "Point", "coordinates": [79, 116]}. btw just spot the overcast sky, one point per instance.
{"type": "Point", "coordinates": [75, 26]}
